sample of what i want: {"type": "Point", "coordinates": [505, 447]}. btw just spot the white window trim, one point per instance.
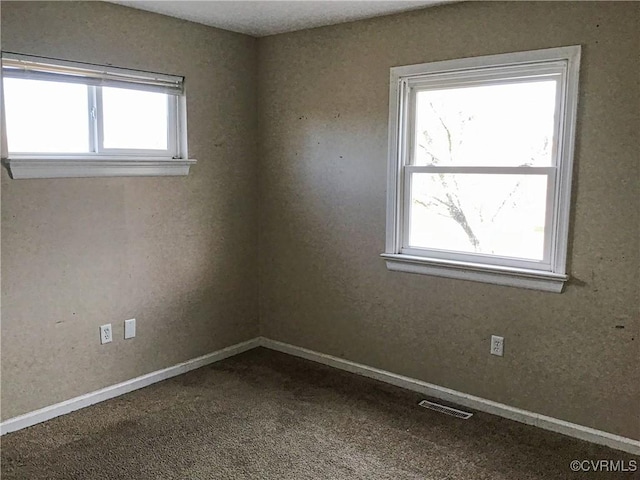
{"type": "Point", "coordinates": [109, 162]}
{"type": "Point", "coordinates": [549, 278]}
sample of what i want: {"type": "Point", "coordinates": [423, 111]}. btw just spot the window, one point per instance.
{"type": "Point", "coordinates": [480, 161]}
{"type": "Point", "coordinates": [67, 119]}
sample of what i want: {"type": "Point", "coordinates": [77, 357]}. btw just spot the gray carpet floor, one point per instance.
{"type": "Point", "coordinates": [265, 415]}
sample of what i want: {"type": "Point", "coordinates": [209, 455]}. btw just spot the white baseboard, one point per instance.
{"type": "Point", "coordinates": [62, 408]}
{"type": "Point", "coordinates": [476, 403]}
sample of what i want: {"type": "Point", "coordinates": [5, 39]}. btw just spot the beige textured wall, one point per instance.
{"type": "Point", "coordinates": [178, 254]}
{"type": "Point", "coordinates": [323, 97]}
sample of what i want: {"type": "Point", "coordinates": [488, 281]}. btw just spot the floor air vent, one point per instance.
{"type": "Point", "coordinates": [443, 409]}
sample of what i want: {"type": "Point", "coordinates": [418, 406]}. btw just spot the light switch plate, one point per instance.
{"type": "Point", "coordinates": [130, 328]}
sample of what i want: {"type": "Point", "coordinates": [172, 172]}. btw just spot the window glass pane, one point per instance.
{"type": "Point", "coordinates": [134, 119]}
{"type": "Point", "coordinates": [487, 214]}
{"type": "Point", "coordinates": [46, 117]}
{"type": "Point", "coordinates": [497, 125]}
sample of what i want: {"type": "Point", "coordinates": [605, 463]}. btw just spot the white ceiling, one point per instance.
{"type": "Point", "coordinates": [268, 17]}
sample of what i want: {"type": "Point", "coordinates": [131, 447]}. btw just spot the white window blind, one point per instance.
{"type": "Point", "coordinates": [39, 68]}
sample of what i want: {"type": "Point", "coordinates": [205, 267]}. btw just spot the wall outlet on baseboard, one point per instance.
{"type": "Point", "coordinates": [105, 334]}
{"type": "Point", "coordinates": [497, 345]}
{"type": "Point", "coordinates": [130, 328]}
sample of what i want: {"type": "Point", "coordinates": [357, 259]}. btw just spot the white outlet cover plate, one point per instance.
{"type": "Point", "coordinates": [105, 334]}
{"type": "Point", "coordinates": [130, 328]}
{"type": "Point", "coordinates": [497, 345]}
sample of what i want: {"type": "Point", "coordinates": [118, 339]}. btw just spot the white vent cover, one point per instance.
{"type": "Point", "coordinates": [444, 409]}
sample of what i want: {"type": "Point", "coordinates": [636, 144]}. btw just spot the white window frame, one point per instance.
{"type": "Point", "coordinates": [100, 161]}
{"type": "Point", "coordinates": [549, 274]}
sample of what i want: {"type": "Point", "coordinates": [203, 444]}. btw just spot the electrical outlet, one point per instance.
{"type": "Point", "coordinates": [497, 345]}
{"type": "Point", "coordinates": [105, 334]}
{"type": "Point", "coordinates": [130, 328]}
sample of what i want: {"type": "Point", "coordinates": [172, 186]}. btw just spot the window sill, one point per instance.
{"type": "Point", "coordinates": [512, 277]}
{"type": "Point", "coordinates": [68, 167]}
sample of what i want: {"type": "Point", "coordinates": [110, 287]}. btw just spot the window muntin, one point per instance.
{"type": "Point", "coordinates": [480, 166]}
